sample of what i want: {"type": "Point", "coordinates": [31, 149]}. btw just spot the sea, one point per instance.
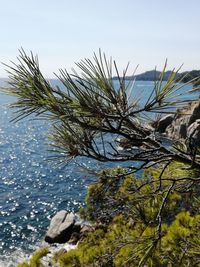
{"type": "Point", "coordinates": [33, 188]}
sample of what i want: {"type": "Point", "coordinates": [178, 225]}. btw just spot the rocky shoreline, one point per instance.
{"type": "Point", "coordinates": [181, 124]}
{"type": "Point", "coordinates": [65, 231]}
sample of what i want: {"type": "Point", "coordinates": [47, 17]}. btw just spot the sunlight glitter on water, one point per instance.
{"type": "Point", "coordinates": [31, 189]}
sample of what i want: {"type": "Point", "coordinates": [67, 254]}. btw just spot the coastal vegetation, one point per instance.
{"type": "Point", "coordinates": [145, 210]}
{"type": "Point", "coordinates": [130, 234]}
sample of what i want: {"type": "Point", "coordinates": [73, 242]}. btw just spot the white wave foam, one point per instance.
{"type": "Point", "coordinates": [12, 260]}
{"type": "Point", "coordinates": [19, 256]}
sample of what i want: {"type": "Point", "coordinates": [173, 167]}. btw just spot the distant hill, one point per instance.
{"type": "Point", "coordinates": [193, 76]}
{"type": "Point", "coordinates": [153, 75]}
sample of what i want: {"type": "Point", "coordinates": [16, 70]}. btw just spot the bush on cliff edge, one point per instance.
{"type": "Point", "coordinates": [128, 233]}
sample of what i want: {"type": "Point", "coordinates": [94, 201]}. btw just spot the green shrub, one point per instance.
{"type": "Point", "coordinates": [129, 234]}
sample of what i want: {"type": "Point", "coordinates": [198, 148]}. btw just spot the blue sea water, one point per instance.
{"type": "Point", "coordinates": [32, 189]}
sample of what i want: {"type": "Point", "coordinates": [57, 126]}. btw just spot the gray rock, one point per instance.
{"type": "Point", "coordinates": [178, 128]}
{"type": "Point", "coordinates": [75, 237]}
{"type": "Point", "coordinates": [164, 123]}
{"type": "Point", "coordinates": [195, 112]}
{"type": "Point", "coordinates": [87, 228]}
{"type": "Point", "coordinates": [61, 227]}
{"type": "Point", "coordinates": [193, 135]}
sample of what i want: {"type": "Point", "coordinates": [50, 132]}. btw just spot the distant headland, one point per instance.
{"type": "Point", "coordinates": [153, 75]}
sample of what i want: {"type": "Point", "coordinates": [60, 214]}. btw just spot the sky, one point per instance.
{"type": "Point", "coordinates": [62, 32]}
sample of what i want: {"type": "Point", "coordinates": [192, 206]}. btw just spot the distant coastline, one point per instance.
{"type": "Point", "coordinates": [153, 75]}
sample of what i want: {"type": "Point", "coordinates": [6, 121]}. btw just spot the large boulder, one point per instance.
{"type": "Point", "coordinates": [178, 128]}
{"type": "Point", "coordinates": [163, 123]}
{"type": "Point", "coordinates": [61, 227]}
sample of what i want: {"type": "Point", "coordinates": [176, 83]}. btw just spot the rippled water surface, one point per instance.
{"type": "Point", "coordinates": [31, 188]}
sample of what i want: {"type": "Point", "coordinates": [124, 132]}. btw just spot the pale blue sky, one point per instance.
{"type": "Point", "coordinates": [62, 32]}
